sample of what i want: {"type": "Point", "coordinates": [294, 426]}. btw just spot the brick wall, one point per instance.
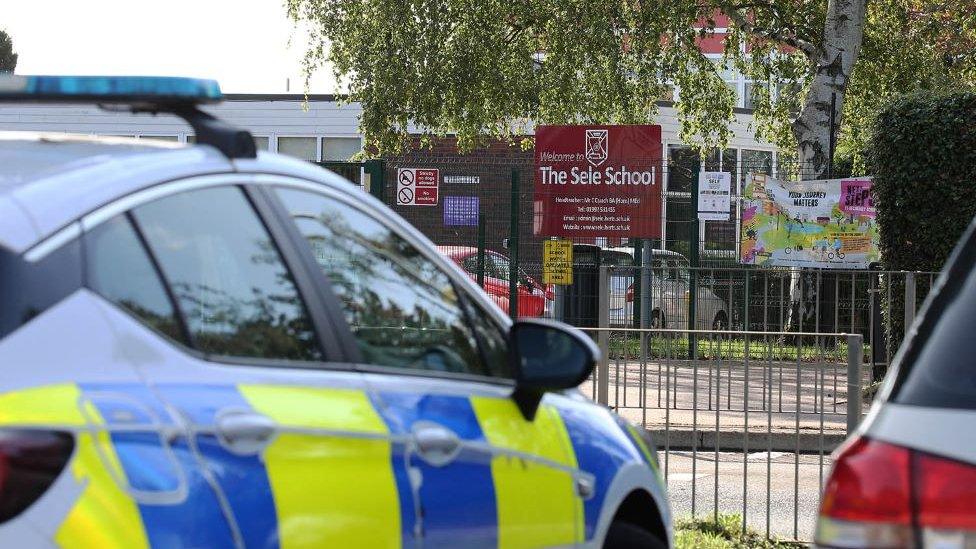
{"type": "Point", "coordinates": [493, 166]}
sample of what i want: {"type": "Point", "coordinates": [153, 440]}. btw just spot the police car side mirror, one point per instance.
{"type": "Point", "coordinates": [547, 356]}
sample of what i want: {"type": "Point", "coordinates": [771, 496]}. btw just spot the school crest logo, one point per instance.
{"type": "Point", "coordinates": [596, 146]}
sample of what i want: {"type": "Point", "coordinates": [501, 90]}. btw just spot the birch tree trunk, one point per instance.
{"type": "Point", "coordinates": [833, 62]}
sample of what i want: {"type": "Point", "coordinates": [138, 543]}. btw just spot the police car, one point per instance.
{"type": "Point", "coordinates": [205, 346]}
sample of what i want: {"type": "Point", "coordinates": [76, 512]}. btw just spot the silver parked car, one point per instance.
{"type": "Point", "coordinates": [670, 287]}
{"type": "Point", "coordinates": [907, 476]}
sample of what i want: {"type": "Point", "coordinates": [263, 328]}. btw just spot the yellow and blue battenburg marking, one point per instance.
{"type": "Point", "coordinates": [148, 468]}
{"type": "Point", "coordinates": [455, 501]}
{"type": "Point", "coordinates": [103, 515]}
{"type": "Point", "coordinates": [340, 469]}
{"type": "Point", "coordinates": [329, 470]}
{"type": "Point", "coordinates": [243, 480]}
{"type": "Point", "coordinates": [537, 501]}
{"type": "Point", "coordinates": [601, 448]}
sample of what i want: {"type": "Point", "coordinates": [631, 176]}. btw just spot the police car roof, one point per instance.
{"type": "Point", "coordinates": [48, 180]}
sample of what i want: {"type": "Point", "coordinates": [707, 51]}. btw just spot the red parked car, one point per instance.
{"type": "Point", "coordinates": [534, 299]}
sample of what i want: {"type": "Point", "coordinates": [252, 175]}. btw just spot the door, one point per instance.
{"type": "Point", "coordinates": [147, 451]}
{"type": "Point", "coordinates": [291, 443]}
{"type": "Point", "coordinates": [465, 459]}
{"type": "Point", "coordinates": [675, 296]}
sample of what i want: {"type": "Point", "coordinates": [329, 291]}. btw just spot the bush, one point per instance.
{"type": "Point", "coordinates": [923, 156]}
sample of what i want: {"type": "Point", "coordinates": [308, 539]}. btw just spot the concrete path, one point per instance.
{"type": "Point", "coordinates": [792, 499]}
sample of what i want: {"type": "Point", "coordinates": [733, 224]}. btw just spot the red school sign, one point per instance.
{"type": "Point", "coordinates": [598, 181]}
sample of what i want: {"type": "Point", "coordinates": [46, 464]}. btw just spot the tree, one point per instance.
{"type": "Point", "coordinates": [8, 59]}
{"type": "Point", "coordinates": [490, 68]}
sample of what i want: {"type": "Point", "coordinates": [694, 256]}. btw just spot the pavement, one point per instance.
{"type": "Point", "coordinates": [792, 498]}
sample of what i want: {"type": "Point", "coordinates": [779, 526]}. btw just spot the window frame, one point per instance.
{"type": "Point", "coordinates": [459, 278]}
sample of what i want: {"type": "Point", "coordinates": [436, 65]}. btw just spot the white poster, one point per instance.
{"type": "Point", "coordinates": [714, 196]}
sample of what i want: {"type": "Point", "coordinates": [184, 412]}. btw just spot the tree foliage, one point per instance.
{"type": "Point", "coordinates": [8, 59]}
{"type": "Point", "coordinates": [489, 68]}
{"type": "Point", "coordinates": [909, 46]}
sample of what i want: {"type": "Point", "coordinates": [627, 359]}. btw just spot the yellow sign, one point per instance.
{"type": "Point", "coordinates": [557, 262]}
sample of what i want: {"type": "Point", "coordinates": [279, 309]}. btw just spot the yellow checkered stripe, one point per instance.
{"type": "Point", "coordinates": [339, 489]}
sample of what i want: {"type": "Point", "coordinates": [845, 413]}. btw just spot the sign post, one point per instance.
{"type": "Point", "coordinates": [693, 258]}
{"type": "Point", "coordinates": [822, 223]}
{"type": "Point", "coordinates": [714, 196]}
{"type": "Point", "coordinates": [513, 252]}
{"type": "Point", "coordinates": [461, 211]}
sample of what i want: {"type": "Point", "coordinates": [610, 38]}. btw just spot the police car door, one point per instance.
{"type": "Point", "coordinates": [468, 465]}
{"type": "Point", "coordinates": [288, 439]}
{"type": "Point", "coordinates": [127, 483]}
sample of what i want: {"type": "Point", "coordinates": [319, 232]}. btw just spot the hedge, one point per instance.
{"type": "Point", "coordinates": [923, 156]}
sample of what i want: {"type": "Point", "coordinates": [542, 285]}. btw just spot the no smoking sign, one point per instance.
{"type": "Point", "coordinates": [417, 186]}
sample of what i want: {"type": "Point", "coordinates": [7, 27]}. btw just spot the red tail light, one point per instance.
{"type": "Point", "coordinates": [945, 490]}
{"type": "Point", "coordinates": [882, 495]}
{"type": "Point", "coordinates": [550, 292]}
{"type": "Point", "coordinates": [30, 461]}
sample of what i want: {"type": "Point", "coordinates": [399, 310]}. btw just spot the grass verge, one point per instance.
{"type": "Point", "coordinates": [724, 533]}
{"type": "Point", "coordinates": [626, 346]}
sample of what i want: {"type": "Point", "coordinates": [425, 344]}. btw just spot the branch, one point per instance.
{"type": "Point", "coordinates": [787, 39]}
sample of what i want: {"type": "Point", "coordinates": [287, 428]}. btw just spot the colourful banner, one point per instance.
{"type": "Point", "coordinates": [824, 223]}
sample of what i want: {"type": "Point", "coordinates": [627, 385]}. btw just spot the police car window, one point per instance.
{"type": "Point", "coordinates": [403, 310]}
{"type": "Point", "coordinates": [237, 297]}
{"type": "Point", "coordinates": [494, 344]}
{"type": "Point", "coordinates": [119, 269]}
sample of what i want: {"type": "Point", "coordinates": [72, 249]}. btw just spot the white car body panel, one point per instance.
{"type": "Point", "coordinates": [934, 430]}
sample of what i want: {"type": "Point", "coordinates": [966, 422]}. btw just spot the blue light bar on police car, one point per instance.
{"type": "Point", "coordinates": [108, 89]}
{"type": "Point", "coordinates": [138, 94]}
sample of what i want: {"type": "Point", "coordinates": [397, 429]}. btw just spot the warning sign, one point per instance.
{"type": "Point", "coordinates": [557, 262]}
{"type": "Point", "coordinates": [417, 186]}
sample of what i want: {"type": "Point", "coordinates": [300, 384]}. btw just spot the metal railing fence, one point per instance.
{"type": "Point", "coordinates": [747, 299]}
{"type": "Point", "coordinates": [744, 421]}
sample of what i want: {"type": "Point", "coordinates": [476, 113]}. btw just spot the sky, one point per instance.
{"type": "Point", "coordinates": [248, 46]}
